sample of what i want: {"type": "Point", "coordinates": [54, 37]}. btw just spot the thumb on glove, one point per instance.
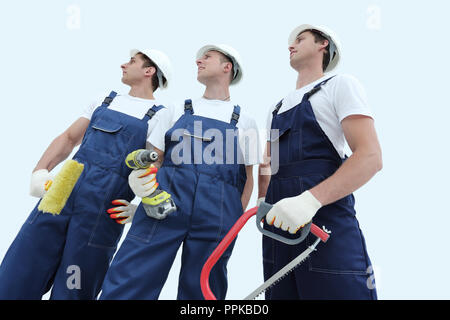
{"type": "Point", "coordinates": [41, 181]}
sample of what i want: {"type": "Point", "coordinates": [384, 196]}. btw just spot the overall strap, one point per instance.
{"type": "Point", "coordinates": [277, 108]}
{"type": "Point", "coordinates": [151, 112]}
{"type": "Point", "coordinates": [235, 116]}
{"type": "Point", "coordinates": [188, 107]}
{"type": "Point", "coordinates": [315, 89]}
{"type": "Point", "coordinates": [109, 99]}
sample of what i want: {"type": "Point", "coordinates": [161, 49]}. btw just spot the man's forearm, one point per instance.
{"type": "Point", "coordinates": [264, 172]}
{"type": "Point", "coordinates": [357, 170]}
{"type": "Point", "coordinates": [263, 180]}
{"type": "Point", "coordinates": [57, 151]}
{"type": "Point", "coordinates": [63, 145]}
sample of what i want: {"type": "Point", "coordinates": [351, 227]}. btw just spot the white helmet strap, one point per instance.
{"type": "Point", "coordinates": [332, 50]}
{"type": "Point", "coordinates": [160, 77]}
{"type": "Point", "coordinates": [235, 70]}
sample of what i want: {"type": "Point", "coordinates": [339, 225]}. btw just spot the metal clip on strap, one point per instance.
{"type": "Point", "coordinates": [151, 113]}
{"type": "Point", "coordinates": [188, 106]}
{"type": "Point", "coordinates": [107, 100]}
{"type": "Point", "coordinates": [234, 117]}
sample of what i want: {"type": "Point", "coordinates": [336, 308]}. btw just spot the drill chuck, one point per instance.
{"type": "Point", "coordinates": [141, 159]}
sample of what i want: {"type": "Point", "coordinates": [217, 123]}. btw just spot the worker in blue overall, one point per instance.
{"type": "Point", "coordinates": [210, 179]}
{"type": "Point", "coordinates": [310, 177]}
{"type": "Point", "coordinates": [71, 252]}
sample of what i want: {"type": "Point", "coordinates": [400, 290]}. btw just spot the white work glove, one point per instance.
{"type": "Point", "coordinates": [40, 182]}
{"type": "Point", "coordinates": [291, 214]}
{"type": "Point", "coordinates": [258, 202]}
{"type": "Point", "coordinates": [143, 181]}
{"type": "Point", "coordinates": [124, 213]}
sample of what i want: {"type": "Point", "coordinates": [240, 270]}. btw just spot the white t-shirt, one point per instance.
{"type": "Point", "coordinates": [339, 98]}
{"type": "Point", "coordinates": [138, 107]}
{"type": "Point", "coordinates": [249, 141]}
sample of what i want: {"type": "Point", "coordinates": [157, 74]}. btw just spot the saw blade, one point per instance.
{"type": "Point", "coordinates": [283, 272]}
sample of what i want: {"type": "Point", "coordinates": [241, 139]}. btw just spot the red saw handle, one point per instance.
{"type": "Point", "coordinates": [226, 241]}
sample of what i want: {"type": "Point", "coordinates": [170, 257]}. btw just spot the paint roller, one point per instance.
{"type": "Point", "coordinates": [61, 187]}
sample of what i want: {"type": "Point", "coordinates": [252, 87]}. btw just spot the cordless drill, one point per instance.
{"type": "Point", "coordinates": [159, 204]}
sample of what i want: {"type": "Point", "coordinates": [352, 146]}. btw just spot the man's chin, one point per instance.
{"type": "Point", "coordinates": [201, 79]}
{"type": "Point", "coordinates": [294, 64]}
{"type": "Point", "coordinates": [124, 81]}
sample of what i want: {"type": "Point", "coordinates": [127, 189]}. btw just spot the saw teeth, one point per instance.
{"type": "Point", "coordinates": [281, 278]}
{"type": "Point", "coordinates": [280, 274]}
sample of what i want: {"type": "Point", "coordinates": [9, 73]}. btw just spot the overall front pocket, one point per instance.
{"type": "Point", "coordinates": [107, 137]}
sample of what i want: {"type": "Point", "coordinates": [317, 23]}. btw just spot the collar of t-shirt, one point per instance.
{"type": "Point", "coordinates": [128, 96]}
{"type": "Point", "coordinates": [213, 109]}
{"type": "Point", "coordinates": [296, 96]}
{"type": "Point", "coordinates": [133, 106]}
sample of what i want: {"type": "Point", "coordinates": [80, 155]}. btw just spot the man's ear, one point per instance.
{"type": "Point", "coordinates": [149, 71]}
{"type": "Point", "coordinates": [324, 44]}
{"type": "Point", "coordinates": [228, 67]}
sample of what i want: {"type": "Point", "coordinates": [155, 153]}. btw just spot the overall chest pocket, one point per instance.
{"type": "Point", "coordinates": [107, 137]}
{"type": "Point", "coordinates": [207, 148]}
{"type": "Point", "coordinates": [286, 145]}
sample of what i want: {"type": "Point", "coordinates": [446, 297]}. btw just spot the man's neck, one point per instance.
{"type": "Point", "coordinates": [217, 92]}
{"type": "Point", "coordinates": [141, 92]}
{"type": "Point", "coordinates": [307, 76]}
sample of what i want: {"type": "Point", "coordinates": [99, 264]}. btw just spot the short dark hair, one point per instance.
{"type": "Point", "coordinates": [318, 37]}
{"type": "Point", "coordinates": [149, 63]}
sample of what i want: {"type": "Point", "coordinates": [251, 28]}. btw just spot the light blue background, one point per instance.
{"type": "Point", "coordinates": [53, 66]}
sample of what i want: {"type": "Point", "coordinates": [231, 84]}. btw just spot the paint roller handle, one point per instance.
{"type": "Point", "coordinates": [48, 184]}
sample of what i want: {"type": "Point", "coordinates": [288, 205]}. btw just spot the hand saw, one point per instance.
{"type": "Point", "coordinates": [261, 212]}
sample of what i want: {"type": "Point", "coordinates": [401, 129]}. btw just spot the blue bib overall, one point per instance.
{"type": "Point", "coordinates": [208, 200]}
{"type": "Point", "coordinates": [72, 250]}
{"type": "Point", "coordinates": [340, 268]}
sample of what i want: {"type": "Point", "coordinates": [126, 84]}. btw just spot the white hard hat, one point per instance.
{"type": "Point", "coordinates": [335, 45]}
{"type": "Point", "coordinates": [162, 62]}
{"type": "Point", "coordinates": [229, 52]}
